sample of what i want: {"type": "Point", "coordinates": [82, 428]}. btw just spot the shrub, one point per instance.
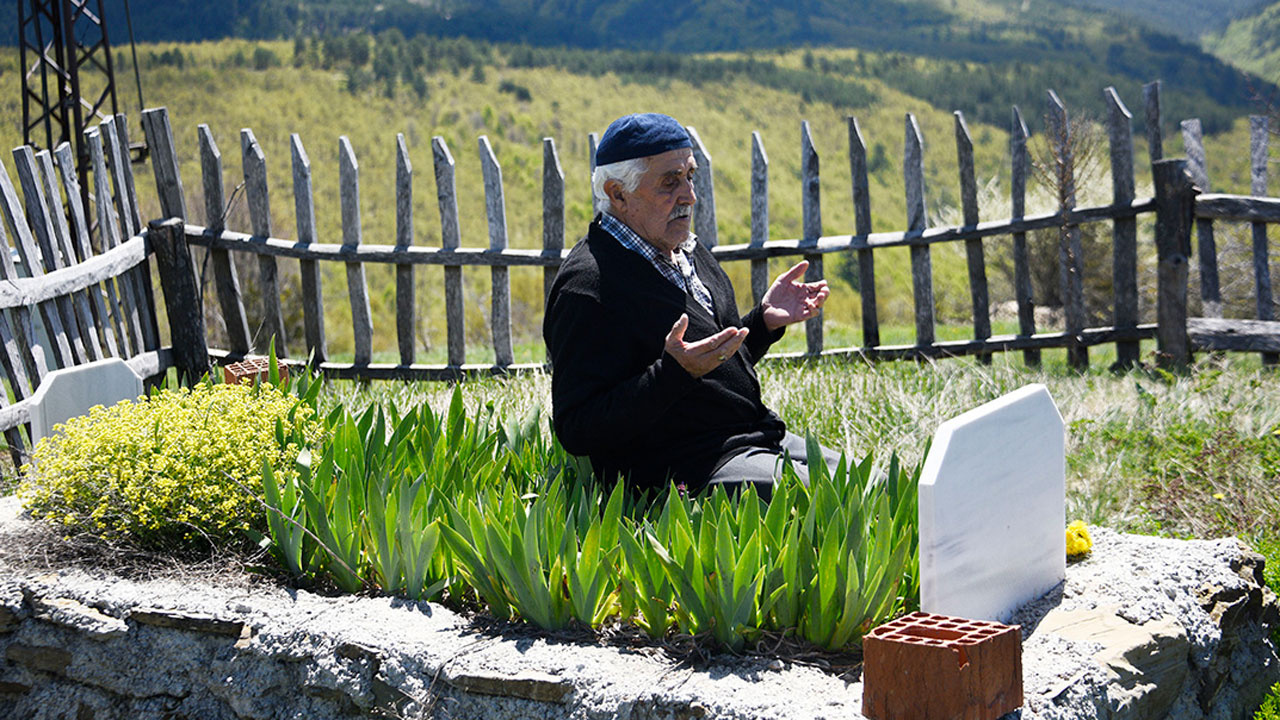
{"type": "Point", "coordinates": [264, 58]}
{"type": "Point", "coordinates": [181, 468]}
{"type": "Point", "coordinates": [521, 92]}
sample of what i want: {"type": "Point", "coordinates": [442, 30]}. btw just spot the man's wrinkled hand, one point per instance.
{"type": "Point", "coordinates": [789, 301]}
{"type": "Point", "coordinates": [701, 357]}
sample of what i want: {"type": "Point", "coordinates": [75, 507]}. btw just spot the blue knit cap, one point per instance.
{"type": "Point", "coordinates": [640, 135]}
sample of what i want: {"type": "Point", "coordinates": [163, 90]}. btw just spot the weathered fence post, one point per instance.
{"type": "Point", "coordinates": [811, 212]}
{"type": "Point", "coordinates": [181, 298]}
{"type": "Point", "coordinates": [305, 211]}
{"type": "Point", "coordinates": [1151, 103]}
{"type": "Point", "coordinates": [496, 211]}
{"type": "Point", "coordinates": [1070, 251]}
{"type": "Point", "coordinates": [861, 189]}
{"type": "Point", "coordinates": [552, 215]}
{"type": "Point", "coordinates": [33, 360]}
{"type": "Point", "coordinates": [117, 138]}
{"type": "Point", "coordinates": [41, 220]}
{"type": "Point", "coordinates": [352, 235]}
{"type": "Point", "coordinates": [973, 248]}
{"type": "Point", "coordinates": [1124, 232]}
{"type": "Point", "coordinates": [255, 190]}
{"type": "Point", "coordinates": [71, 185]}
{"type": "Point", "coordinates": [450, 238]}
{"type": "Point", "coordinates": [164, 164]}
{"type": "Point", "coordinates": [27, 251]}
{"type": "Point", "coordinates": [81, 309]}
{"type": "Point", "coordinates": [128, 194]}
{"type": "Point", "coordinates": [1258, 131]}
{"type": "Point", "coordinates": [405, 314]}
{"type": "Point", "coordinates": [704, 186]}
{"type": "Point", "coordinates": [1175, 208]}
{"type": "Point", "coordinates": [225, 280]}
{"type": "Point", "coordinates": [759, 216]}
{"type": "Point", "coordinates": [917, 221]}
{"type": "Point", "coordinates": [109, 236]}
{"type": "Point", "coordinates": [1197, 165]}
{"type": "Point", "coordinates": [1021, 255]}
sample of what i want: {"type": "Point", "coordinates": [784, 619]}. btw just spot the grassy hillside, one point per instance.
{"type": "Point", "coordinates": [516, 106]}
{"type": "Point", "coordinates": [1251, 43]}
{"type": "Point", "coordinates": [1185, 19]}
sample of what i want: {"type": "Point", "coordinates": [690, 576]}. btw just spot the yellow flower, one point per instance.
{"type": "Point", "coordinates": [1078, 540]}
{"type": "Point", "coordinates": [180, 464]}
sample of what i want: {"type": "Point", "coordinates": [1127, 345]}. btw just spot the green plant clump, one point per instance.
{"type": "Point", "coordinates": [499, 515]}
{"type": "Point", "coordinates": [171, 470]}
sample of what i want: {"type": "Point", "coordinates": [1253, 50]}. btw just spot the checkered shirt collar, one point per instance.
{"type": "Point", "coordinates": [680, 272]}
{"type": "Point", "coordinates": [632, 241]}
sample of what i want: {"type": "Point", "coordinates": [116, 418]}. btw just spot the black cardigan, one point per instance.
{"type": "Point", "coordinates": [618, 397]}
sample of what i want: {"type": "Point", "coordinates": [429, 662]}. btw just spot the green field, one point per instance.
{"type": "Point", "coordinates": [220, 84]}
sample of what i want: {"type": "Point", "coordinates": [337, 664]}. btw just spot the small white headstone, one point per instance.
{"type": "Point", "coordinates": [70, 392]}
{"type": "Point", "coordinates": [993, 508]}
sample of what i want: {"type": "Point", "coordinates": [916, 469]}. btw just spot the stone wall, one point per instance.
{"type": "Point", "coordinates": [1146, 628]}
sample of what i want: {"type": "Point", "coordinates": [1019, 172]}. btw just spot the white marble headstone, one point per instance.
{"type": "Point", "coordinates": [993, 508]}
{"type": "Point", "coordinates": [70, 392]}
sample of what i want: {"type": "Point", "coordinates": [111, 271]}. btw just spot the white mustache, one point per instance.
{"type": "Point", "coordinates": [681, 211]}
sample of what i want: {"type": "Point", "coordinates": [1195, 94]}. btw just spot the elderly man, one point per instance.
{"type": "Point", "coordinates": [652, 368]}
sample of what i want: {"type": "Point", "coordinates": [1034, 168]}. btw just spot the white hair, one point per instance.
{"type": "Point", "coordinates": [626, 172]}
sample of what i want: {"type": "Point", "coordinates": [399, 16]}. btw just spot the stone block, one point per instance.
{"type": "Point", "coordinates": [71, 392]}
{"type": "Point", "coordinates": [250, 369]}
{"type": "Point", "coordinates": [526, 685]}
{"type": "Point", "coordinates": [1147, 663]}
{"type": "Point", "coordinates": [941, 668]}
{"type": "Point", "coordinates": [192, 622]}
{"type": "Point", "coordinates": [71, 614]}
{"type": "Point", "coordinates": [992, 508]}
{"type": "Point", "coordinates": [46, 659]}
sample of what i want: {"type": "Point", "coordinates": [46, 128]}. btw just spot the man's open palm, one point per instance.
{"type": "Point", "coordinates": [789, 300]}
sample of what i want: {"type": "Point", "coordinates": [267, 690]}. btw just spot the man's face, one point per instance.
{"type": "Point", "coordinates": [660, 209]}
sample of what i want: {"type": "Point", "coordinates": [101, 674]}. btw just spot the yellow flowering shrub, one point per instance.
{"type": "Point", "coordinates": [172, 468]}
{"type": "Point", "coordinates": [1078, 540]}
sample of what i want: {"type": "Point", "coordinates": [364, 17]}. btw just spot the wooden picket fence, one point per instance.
{"type": "Point", "coordinates": [1126, 331]}
{"type": "Point", "coordinates": [80, 287]}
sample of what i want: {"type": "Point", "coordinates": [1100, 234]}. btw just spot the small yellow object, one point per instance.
{"type": "Point", "coordinates": [1078, 540]}
{"type": "Point", "coordinates": [1219, 496]}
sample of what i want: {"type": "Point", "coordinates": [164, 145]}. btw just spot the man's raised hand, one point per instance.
{"type": "Point", "coordinates": [789, 300]}
{"type": "Point", "coordinates": [701, 357]}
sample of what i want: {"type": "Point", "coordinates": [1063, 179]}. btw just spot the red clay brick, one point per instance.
{"type": "Point", "coordinates": [249, 368]}
{"type": "Point", "coordinates": [937, 667]}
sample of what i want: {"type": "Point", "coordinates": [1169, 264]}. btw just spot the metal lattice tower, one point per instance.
{"type": "Point", "coordinates": [68, 80]}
